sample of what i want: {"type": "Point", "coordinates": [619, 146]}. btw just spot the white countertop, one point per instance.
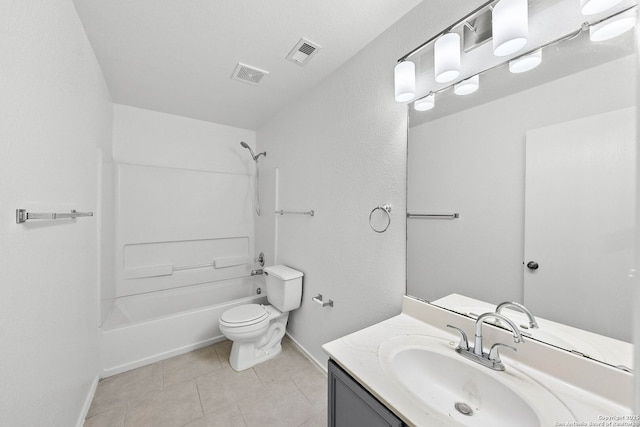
{"type": "Point", "coordinates": [589, 390]}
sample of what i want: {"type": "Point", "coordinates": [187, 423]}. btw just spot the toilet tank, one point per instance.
{"type": "Point", "coordinates": [284, 287]}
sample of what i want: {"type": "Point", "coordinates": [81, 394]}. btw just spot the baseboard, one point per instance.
{"type": "Point", "coordinates": [87, 401]}
{"type": "Point", "coordinates": [114, 370]}
{"type": "Point", "coordinates": [321, 366]}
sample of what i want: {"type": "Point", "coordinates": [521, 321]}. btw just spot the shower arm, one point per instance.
{"type": "Point", "coordinates": [254, 156]}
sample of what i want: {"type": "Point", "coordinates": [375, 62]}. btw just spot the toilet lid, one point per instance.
{"type": "Point", "coordinates": [243, 314]}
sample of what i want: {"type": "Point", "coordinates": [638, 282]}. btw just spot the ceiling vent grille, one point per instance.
{"type": "Point", "coordinates": [248, 74]}
{"type": "Point", "coordinates": [303, 51]}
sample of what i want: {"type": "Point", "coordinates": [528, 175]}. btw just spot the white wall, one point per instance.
{"type": "Point", "coordinates": [183, 198]}
{"type": "Point", "coordinates": [56, 111]}
{"type": "Point", "coordinates": [635, 274]}
{"type": "Point", "coordinates": [341, 150]}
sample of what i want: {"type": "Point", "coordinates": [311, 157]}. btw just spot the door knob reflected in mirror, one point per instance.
{"type": "Point", "coordinates": [532, 265]}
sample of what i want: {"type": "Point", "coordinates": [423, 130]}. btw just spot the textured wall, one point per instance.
{"type": "Point", "coordinates": [56, 112]}
{"type": "Point", "coordinates": [341, 150]}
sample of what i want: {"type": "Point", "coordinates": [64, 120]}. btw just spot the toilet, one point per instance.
{"type": "Point", "coordinates": [256, 329]}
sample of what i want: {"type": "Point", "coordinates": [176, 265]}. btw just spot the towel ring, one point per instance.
{"type": "Point", "coordinates": [386, 209]}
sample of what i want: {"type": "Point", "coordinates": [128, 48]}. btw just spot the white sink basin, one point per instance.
{"type": "Point", "coordinates": [461, 392]}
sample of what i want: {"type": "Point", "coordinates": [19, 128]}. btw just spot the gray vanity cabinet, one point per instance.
{"type": "Point", "coordinates": [350, 405]}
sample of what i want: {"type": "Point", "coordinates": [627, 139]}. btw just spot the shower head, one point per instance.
{"type": "Point", "coordinates": [245, 145]}
{"type": "Point", "coordinates": [253, 155]}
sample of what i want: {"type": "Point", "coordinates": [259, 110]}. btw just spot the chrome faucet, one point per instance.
{"type": "Point", "coordinates": [257, 272]}
{"type": "Point", "coordinates": [477, 343]}
{"type": "Point", "coordinates": [519, 307]}
{"type": "Point", "coordinates": [476, 353]}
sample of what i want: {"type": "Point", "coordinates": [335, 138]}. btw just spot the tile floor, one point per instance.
{"type": "Point", "coordinates": [199, 389]}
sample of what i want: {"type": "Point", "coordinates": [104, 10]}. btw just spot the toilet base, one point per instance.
{"type": "Point", "coordinates": [246, 354]}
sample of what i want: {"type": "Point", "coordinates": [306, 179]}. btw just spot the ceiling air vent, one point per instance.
{"type": "Point", "coordinates": [248, 74]}
{"type": "Point", "coordinates": [303, 51]}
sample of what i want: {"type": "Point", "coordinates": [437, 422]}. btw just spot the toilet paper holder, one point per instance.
{"type": "Point", "coordinates": [318, 299]}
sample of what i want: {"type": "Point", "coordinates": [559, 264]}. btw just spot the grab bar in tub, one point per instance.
{"type": "Point", "coordinates": [281, 212]}
{"type": "Point", "coordinates": [453, 215]}
{"type": "Point", "coordinates": [23, 216]}
{"type": "Point", "coordinates": [167, 270]}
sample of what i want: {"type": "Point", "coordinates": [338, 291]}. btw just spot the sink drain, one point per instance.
{"type": "Point", "coordinates": [463, 408]}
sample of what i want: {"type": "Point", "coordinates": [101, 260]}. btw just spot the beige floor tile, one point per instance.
{"type": "Point", "coordinates": [265, 417]}
{"type": "Point", "coordinates": [175, 406]}
{"type": "Point", "coordinates": [288, 362]}
{"type": "Point", "coordinates": [266, 395]}
{"type": "Point", "coordinates": [313, 384]}
{"type": "Point", "coordinates": [294, 410]}
{"type": "Point", "coordinates": [287, 342]}
{"type": "Point", "coordinates": [190, 365]}
{"type": "Point", "coordinates": [118, 390]}
{"type": "Point", "coordinates": [286, 410]}
{"type": "Point", "coordinates": [278, 387]}
{"type": "Point", "coordinates": [110, 418]}
{"type": "Point", "coordinates": [199, 389]}
{"type": "Point", "coordinates": [223, 349]}
{"type": "Point", "coordinates": [228, 416]}
{"type": "Point", "coordinates": [225, 386]}
{"type": "Point", "coordinates": [318, 420]}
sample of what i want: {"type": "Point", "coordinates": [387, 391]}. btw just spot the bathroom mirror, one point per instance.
{"type": "Point", "coordinates": [540, 168]}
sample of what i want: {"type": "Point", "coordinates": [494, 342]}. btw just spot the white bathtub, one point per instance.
{"type": "Point", "coordinates": [143, 329]}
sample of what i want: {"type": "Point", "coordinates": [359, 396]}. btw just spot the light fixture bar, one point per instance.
{"type": "Point", "coordinates": [586, 25]}
{"type": "Point", "coordinates": [602, 34]}
{"type": "Point", "coordinates": [469, 26]}
{"type": "Point", "coordinates": [558, 40]}
{"type": "Point", "coordinates": [572, 35]}
{"type": "Point", "coordinates": [592, 7]}
{"type": "Point", "coordinates": [446, 30]}
{"type": "Point", "coordinates": [489, 5]}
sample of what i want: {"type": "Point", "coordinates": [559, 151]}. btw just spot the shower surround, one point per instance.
{"type": "Point", "coordinates": [182, 234]}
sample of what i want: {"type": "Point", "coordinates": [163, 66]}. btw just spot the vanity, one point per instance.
{"type": "Point", "coordinates": [521, 188]}
{"type": "Point", "coordinates": [510, 189]}
{"type": "Point", "coordinates": [406, 371]}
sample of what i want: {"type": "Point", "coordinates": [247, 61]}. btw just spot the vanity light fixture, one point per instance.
{"type": "Point", "coordinates": [526, 62]}
{"type": "Point", "coordinates": [425, 103]}
{"type": "Point", "coordinates": [405, 81]}
{"type": "Point", "coordinates": [510, 34]}
{"type": "Point", "coordinates": [467, 86]}
{"type": "Point", "coordinates": [447, 57]}
{"type": "Point", "coordinates": [613, 26]}
{"type": "Point", "coordinates": [591, 7]}
{"type": "Point", "coordinates": [510, 26]}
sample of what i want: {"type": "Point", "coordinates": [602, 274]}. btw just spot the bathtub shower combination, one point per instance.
{"type": "Point", "coordinates": [184, 250]}
{"type": "Point", "coordinates": [142, 329]}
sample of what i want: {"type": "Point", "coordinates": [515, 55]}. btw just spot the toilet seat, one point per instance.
{"type": "Point", "coordinates": [245, 315]}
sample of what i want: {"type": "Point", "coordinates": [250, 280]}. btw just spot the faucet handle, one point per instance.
{"type": "Point", "coordinates": [464, 342]}
{"type": "Point", "coordinates": [493, 353]}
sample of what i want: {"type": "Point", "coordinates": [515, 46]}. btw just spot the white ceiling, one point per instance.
{"type": "Point", "coordinates": [178, 56]}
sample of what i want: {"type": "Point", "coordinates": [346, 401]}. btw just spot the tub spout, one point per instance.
{"type": "Point", "coordinates": [257, 272]}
